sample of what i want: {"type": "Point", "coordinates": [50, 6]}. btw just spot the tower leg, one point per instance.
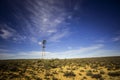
{"type": "Point", "coordinates": [43, 53]}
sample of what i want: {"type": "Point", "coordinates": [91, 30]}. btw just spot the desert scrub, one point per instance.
{"type": "Point", "coordinates": [54, 78]}
{"type": "Point", "coordinates": [89, 73]}
{"type": "Point", "coordinates": [27, 77]}
{"type": "Point", "coordinates": [95, 70]}
{"type": "Point", "coordinates": [81, 70]}
{"type": "Point", "coordinates": [68, 68]}
{"type": "Point", "coordinates": [114, 74]}
{"type": "Point", "coordinates": [46, 68]}
{"type": "Point", "coordinates": [97, 76]}
{"type": "Point", "coordinates": [80, 74]}
{"type": "Point", "coordinates": [117, 67]}
{"type": "Point", "coordinates": [84, 78]}
{"type": "Point", "coordinates": [102, 72]}
{"type": "Point", "coordinates": [55, 72]}
{"type": "Point", "coordinates": [48, 74]}
{"type": "Point", "coordinates": [13, 76]}
{"type": "Point", "coordinates": [74, 68]}
{"type": "Point", "coordinates": [69, 74]}
{"type": "Point", "coordinates": [101, 78]}
{"type": "Point", "coordinates": [47, 78]}
{"type": "Point", "coordinates": [37, 78]}
{"type": "Point", "coordinates": [109, 67]}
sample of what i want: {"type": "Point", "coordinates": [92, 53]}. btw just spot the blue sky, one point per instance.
{"type": "Point", "coordinates": [72, 28]}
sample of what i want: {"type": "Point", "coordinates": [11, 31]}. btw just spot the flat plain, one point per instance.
{"type": "Point", "coordinates": [100, 68]}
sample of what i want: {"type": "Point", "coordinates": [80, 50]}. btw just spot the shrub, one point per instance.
{"type": "Point", "coordinates": [74, 68]}
{"type": "Point", "coordinates": [47, 78]}
{"type": "Point", "coordinates": [54, 72]}
{"type": "Point", "coordinates": [54, 78]}
{"type": "Point", "coordinates": [69, 74]}
{"type": "Point", "coordinates": [27, 78]}
{"type": "Point", "coordinates": [89, 73]}
{"type": "Point", "coordinates": [84, 78]}
{"type": "Point", "coordinates": [53, 66]}
{"type": "Point", "coordinates": [48, 74]}
{"type": "Point", "coordinates": [109, 67]}
{"type": "Point", "coordinates": [14, 69]}
{"type": "Point", "coordinates": [38, 78]}
{"type": "Point", "coordinates": [68, 69]}
{"type": "Point", "coordinates": [117, 67]}
{"type": "Point", "coordinates": [95, 70]}
{"type": "Point", "coordinates": [80, 74]}
{"type": "Point", "coordinates": [96, 76]}
{"type": "Point", "coordinates": [101, 78]}
{"type": "Point", "coordinates": [13, 76]}
{"type": "Point", "coordinates": [102, 72]}
{"type": "Point", "coordinates": [81, 70]}
{"type": "Point", "coordinates": [114, 74]}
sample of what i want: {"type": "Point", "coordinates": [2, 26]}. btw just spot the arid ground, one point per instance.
{"type": "Point", "coordinates": [102, 68]}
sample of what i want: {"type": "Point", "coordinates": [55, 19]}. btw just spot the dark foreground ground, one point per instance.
{"type": "Point", "coordinates": [105, 68]}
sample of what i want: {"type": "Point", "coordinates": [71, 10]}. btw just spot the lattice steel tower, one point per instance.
{"type": "Point", "coordinates": [43, 48]}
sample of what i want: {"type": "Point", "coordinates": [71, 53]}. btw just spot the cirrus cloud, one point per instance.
{"type": "Point", "coordinates": [89, 51]}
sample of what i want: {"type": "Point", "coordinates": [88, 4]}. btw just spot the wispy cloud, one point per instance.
{"type": "Point", "coordinates": [69, 47]}
{"type": "Point", "coordinates": [5, 34]}
{"type": "Point", "coordinates": [4, 50]}
{"type": "Point", "coordinates": [8, 33]}
{"type": "Point", "coordinates": [39, 19]}
{"type": "Point", "coordinates": [59, 35]}
{"type": "Point", "coordinates": [45, 19]}
{"type": "Point", "coordinates": [116, 38]}
{"type": "Point", "coordinates": [90, 51]}
{"type": "Point", "coordinates": [48, 18]}
{"type": "Point", "coordinates": [100, 41]}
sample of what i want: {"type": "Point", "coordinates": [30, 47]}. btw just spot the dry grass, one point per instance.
{"type": "Point", "coordinates": [107, 68]}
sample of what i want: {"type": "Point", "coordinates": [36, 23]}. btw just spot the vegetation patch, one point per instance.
{"type": "Point", "coordinates": [60, 69]}
{"type": "Point", "coordinates": [69, 74]}
{"type": "Point", "coordinates": [114, 74]}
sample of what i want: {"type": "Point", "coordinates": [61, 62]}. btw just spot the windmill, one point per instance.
{"type": "Point", "coordinates": [43, 47]}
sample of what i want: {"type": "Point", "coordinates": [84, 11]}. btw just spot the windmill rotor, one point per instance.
{"type": "Point", "coordinates": [43, 43]}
